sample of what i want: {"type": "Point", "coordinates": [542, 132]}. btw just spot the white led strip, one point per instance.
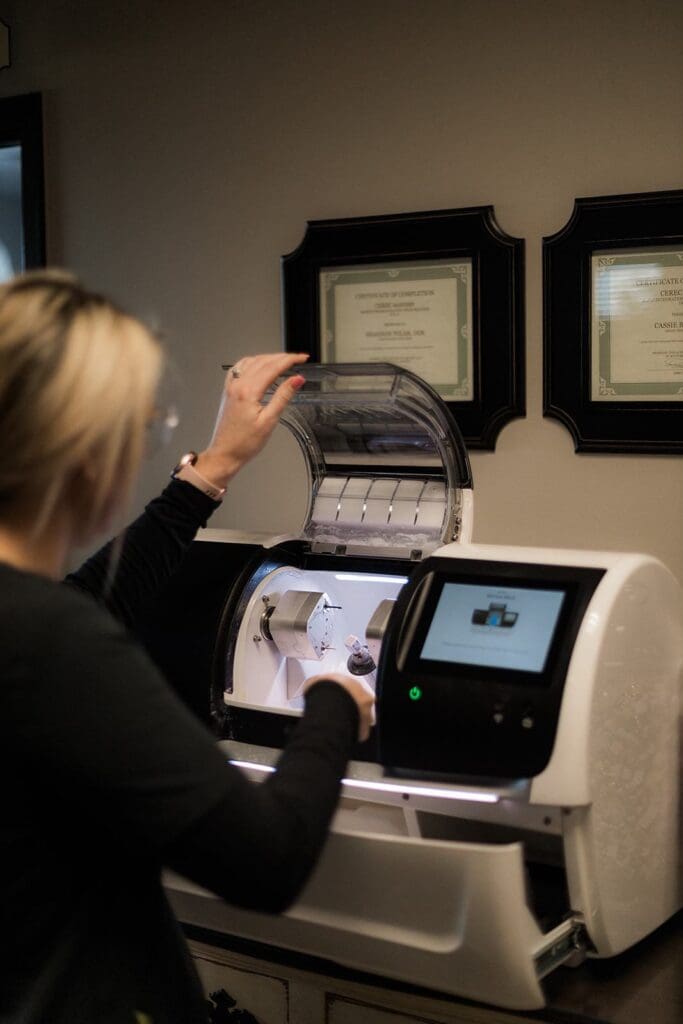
{"type": "Point", "coordinates": [394, 787]}
{"type": "Point", "coordinates": [363, 577]}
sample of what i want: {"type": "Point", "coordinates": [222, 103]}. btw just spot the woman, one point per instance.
{"type": "Point", "coordinates": [106, 776]}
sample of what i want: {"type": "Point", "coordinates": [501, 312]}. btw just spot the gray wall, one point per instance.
{"type": "Point", "coordinates": [187, 145]}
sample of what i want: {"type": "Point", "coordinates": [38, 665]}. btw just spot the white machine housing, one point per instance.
{"type": "Point", "coordinates": [468, 885]}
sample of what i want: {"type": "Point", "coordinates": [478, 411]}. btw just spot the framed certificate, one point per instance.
{"type": "Point", "coordinates": [613, 324]}
{"type": "Point", "coordinates": [438, 293]}
{"type": "Point", "coordinates": [637, 326]}
{"type": "Point", "coordinates": [416, 315]}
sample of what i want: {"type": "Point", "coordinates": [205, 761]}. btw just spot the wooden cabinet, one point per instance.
{"type": "Point", "coordinates": [241, 988]}
{"type": "Point", "coordinates": [261, 992]}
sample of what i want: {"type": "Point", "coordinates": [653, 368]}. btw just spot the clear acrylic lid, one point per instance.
{"type": "Point", "coordinates": [387, 463]}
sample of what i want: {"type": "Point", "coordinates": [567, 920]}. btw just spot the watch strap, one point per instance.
{"type": "Point", "coordinates": [189, 474]}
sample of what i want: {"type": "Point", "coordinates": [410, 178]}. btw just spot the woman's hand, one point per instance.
{"type": "Point", "coordinates": [363, 696]}
{"type": "Point", "coordinates": [244, 425]}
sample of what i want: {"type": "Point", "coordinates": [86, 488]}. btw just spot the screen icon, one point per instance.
{"type": "Point", "coordinates": [495, 615]}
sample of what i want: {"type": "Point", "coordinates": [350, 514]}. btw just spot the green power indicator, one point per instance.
{"type": "Point", "coordinates": [414, 692]}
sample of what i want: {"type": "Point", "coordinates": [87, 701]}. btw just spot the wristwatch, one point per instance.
{"type": "Point", "coordinates": [185, 471]}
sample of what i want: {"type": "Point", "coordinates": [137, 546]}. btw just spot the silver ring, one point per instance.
{"type": "Point", "coordinates": [235, 373]}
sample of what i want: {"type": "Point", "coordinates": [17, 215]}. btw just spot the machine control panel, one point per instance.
{"type": "Point", "coordinates": [473, 666]}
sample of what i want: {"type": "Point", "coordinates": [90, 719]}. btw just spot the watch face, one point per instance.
{"type": "Point", "coordinates": [188, 459]}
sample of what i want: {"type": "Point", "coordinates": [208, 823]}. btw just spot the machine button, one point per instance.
{"type": "Point", "coordinates": [498, 717]}
{"type": "Point", "coordinates": [414, 692]}
{"type": "Point", "coordinates": [527, 722]}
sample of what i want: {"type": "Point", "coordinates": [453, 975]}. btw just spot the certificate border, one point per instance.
{"type": "Point", "coordinates": [21, 124]}
{"type": "Point", "coordinates": [415, 272]}
{"type": "Point", "coordinates": [601, 224]}
{"type": "Point", "coordinates": [666, 259]}
{"type": "Point", "coordinates": [498, 367]}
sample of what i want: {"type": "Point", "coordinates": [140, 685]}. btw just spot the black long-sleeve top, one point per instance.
{"type": "Point", "coordinates": [106, 778]}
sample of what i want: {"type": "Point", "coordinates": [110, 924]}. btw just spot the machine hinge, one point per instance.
{"type": "Point", "coordinates": [369, 550]}
{"type": "Point", "coordinates": [565, 944]}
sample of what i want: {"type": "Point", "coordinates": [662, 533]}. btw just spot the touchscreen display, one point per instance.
{"type": "Point", "coordinates": [494, 627]}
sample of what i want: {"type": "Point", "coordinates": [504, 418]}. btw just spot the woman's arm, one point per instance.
{"type": "Point", "coordinates": [111, 742]}
{"type": "Point", "coordinates": [151, 549]}
{"type": "Point", "coordinates": [256, 847]}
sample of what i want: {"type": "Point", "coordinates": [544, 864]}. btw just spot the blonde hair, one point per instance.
{"type": "Point", "coordinates": [77, 384]}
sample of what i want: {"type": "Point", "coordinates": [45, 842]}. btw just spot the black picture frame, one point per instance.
{"type": "Point", "coordinates": [497, 262]}
{"type": "Point", "coordinates": [601, 224]}
{"type": "Point", "coordinates": [21, 124]}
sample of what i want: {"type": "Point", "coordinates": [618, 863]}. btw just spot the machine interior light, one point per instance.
{"type": "Point", "coordinates": [444, 794]}
{"type": "Point", "coordinates": [394, 787]}
{"type": "Point", "coordinates": [362, 577]}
